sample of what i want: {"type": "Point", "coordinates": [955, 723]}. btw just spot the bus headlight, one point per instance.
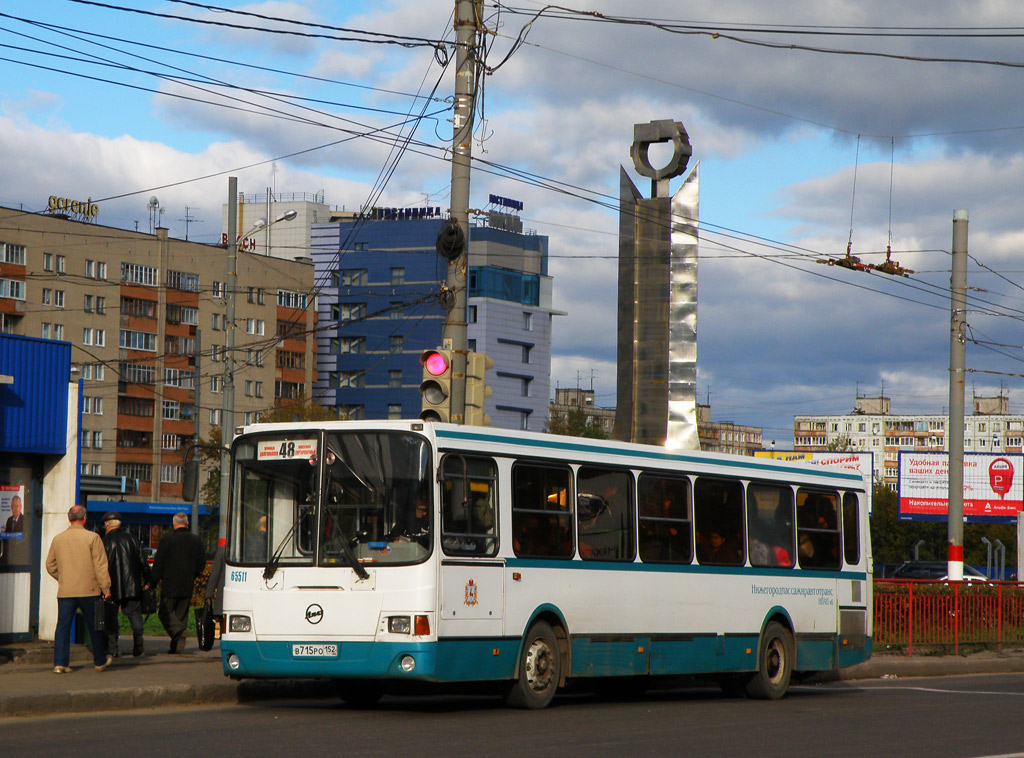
{"type": "Point", "coordinates": [408, 663]}
{"type": "Point", "coordinates": [399, 624]}
{"type": "Point", "coordinates": [240, 624]}
{"type": "Point", "coordinates": [233, 662]}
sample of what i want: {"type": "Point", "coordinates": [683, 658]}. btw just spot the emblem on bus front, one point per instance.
{"type": "Point", "coordinates": [314, 614]}
{"type": "Point", "coordinates": [470, 593]}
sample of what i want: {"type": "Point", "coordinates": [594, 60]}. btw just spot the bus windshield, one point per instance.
{"type": "Point", "coordinates": [336, 500]}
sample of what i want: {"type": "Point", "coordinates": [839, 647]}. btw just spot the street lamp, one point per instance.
{"type": "Point", "coordinates": [227, 413]}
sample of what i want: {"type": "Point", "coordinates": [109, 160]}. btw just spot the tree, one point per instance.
{"type": "Point", "coordinates": [575, 423]}
{"type": "Point", "coordinates": [840, 444]}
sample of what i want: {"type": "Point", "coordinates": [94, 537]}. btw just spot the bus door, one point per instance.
{"type": "Point", "coordinates": [472, 576]}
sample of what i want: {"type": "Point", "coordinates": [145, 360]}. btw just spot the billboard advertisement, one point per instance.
{"type": "Point", "coordinates": [993, 486]}
{"type": "Point", "coordinates": [862, 463]}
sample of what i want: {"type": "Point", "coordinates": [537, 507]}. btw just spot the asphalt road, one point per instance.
{"type": "Point", "coordinates": [934, 716]}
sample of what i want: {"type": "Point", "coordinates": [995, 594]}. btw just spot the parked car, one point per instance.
{"type": "Point", "coordinates": [938, 570]}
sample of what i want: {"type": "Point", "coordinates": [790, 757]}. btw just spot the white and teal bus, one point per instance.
{"type": "Point", "coordinates": [375, 553]}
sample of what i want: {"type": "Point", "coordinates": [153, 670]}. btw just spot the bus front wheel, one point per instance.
{"type": "Point", "coordinates": [539, 669]}
{"type": "Point", "coordinates": [774, 664]}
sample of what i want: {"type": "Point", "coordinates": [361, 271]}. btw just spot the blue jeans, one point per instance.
{"type": "Point", "coordinates": [66, 607]}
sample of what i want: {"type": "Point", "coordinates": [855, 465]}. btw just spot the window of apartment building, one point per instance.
{"type": "Point", "coordinates": [395, 379]}
{"type": "Point", "coordinates": [527, 321]}
{"type": "Point", "coordinates": [359, 246]}
{"type": "Point", "coordinates": [179, 345]}
{"type": "Point", "coordinates": [87, 306]}
{"type": "Point", "coordinates": [526, 353]}
{"type": "Point", "coordinates": [97, 406]}
{"type": "Point", "coordinates": [250, 417]}
{"type": "Point", "coordinates": [290, 359]}
{"type": "Point", "coordinates": [394, 410]}
{"type": "Point", "coordinates": [396, 310]}
{"type": "Point", "coordinates": [254, 326]}
{"type": "Point", "coordinates": [12, 288]}
{"type": "Point", "coordinates": [58, 331]}
{"type": "Point", "coordinates": [176, 377]}
{"type": "Point", "coordinates": [133, 438]}
{"type": "Point", "coordinates": [182, 314]}
{"type": "Point", "coordinates": [133, 273]}
{"type": "Point", "coordinates": [472, 314]}
{"type": "Point", "coordinates": [289, 299]}
{"type": "Point", "coordinates": [61, 264]}
{"type": "Point", "coordinates": [354, 412]}
{"type": "Point", "coordinates": [255, 295]}
{"type": "Point", "coordinates": [87, 336]}
{"type": "Point", "coordinates": [99, 337]}
{"type": "Point", "coordinates": [85, 438]}
{"type": "Point", "coordinates": [216, 383]}
{"type": "Point", "coordinates": [97, 439]}
{"type": "Point", "coordinates": [524, 420]}
{"type": "Point", "coordinates": [253, 388]}
{"type": "Point", "coordinates": [12, 253]}
{"type": "Point", "coordinates": [171, 409]}
{"type": "Point", "coordinates": [398, 275]}
{"type": "Point", "coordinates": [287, 390]}
{"type": "Point", "coordinates": [135, 406]}
{"type": "Point", "coordinates": [217, 321]}
{"type": "Point", "coordinates": [218, 289]}
{"type": "Point", "coordinates": [141, 471]}
{"type": "Point", "coordinates": [290, 330]}
{"type": "Point", "coordinates": [135, 340]}
{"type": "Point", "coordinates": [216, 353]}
{"type": "Point", "coordinates": [183, 280]}
{"type": "Point", "coordinates": [254, 357]}
{"type": "Point", "coordinates": [137, 373]}
{"type": "Point", "coordinates": [47, 261]}
{"type": "Point", "coordinates": [58, 298]}
{"type": "Point", "coordinates": [95, 269]}
{"type": "Point", "coordinates": [215, 416]}
{"type": "Point", "coordinates": [524, 387]}
{"type": "Point", "coordinates": [351, 311]}
{"type": "Point", "coordinates": [471, 345]}
{"type": "Point", "coordinates": [47, 296]}
{"type": "Point", "coordinates": [131, 306]}
{"type": "Point", "coordinates": [397, 341]}
{"type": "Point", "coordinates": [170, 473]}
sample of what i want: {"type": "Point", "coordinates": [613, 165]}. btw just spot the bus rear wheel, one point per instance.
{"type": "Point", "coordinates": [774, 664]}
{"type": "Point", "coordinates": [539, 671]}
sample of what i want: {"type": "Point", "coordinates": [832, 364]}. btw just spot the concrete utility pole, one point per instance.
{"type": "Point", "coordinates": [957, 337]}
{"type": "Point", "coordinates": [196, 385]}
{"type": "Point", "coordinates": [467, 12]}
{"type": "Point", "coordinates": [227, 413]}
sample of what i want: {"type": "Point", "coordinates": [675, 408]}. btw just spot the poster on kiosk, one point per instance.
{"type": "Point", "coordinates": [993, 486]}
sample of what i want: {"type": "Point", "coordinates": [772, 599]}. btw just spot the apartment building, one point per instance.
{"type": "Point", "coordinates": [145, 315]}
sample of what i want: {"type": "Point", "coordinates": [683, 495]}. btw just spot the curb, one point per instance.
{"type": "Point", "coordinates": [162, 696]}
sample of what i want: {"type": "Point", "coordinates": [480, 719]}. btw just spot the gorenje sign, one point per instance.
{"type": "Point", "coordinates": [85, 210]}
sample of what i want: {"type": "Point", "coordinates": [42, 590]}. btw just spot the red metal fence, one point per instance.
{"type": "Point", "coordinates": [911, 614]}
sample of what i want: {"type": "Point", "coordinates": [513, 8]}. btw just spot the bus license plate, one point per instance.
{"type": "Point", "coordinates": [326, 650]}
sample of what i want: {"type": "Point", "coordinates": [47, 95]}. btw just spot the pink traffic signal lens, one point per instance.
{"type": "Point", "coordinates": [436, 364]}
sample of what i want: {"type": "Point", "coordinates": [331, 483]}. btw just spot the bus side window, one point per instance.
{"type": "Point", "coordinates": [469, 496]}
{"type": "Point", "coordinates": [664, 508]}
{"type": "Point", "coordinates": [541, 511]}
{"type": "Point", "coordinates": [817, 527]}
{"type": "Point", "coordinates": [718, 519]}
{"type": "Point", "coordinates": [604, 514]}
{"type": "Point", "coordinates": [851, 529]}
{"type": "Point", "coordinates": [770, 525]}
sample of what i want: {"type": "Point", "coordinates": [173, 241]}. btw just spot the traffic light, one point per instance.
{"type": "Point", "coordinates": [436, 387]}
{"type": "Point", "coordinates": [477, 389]}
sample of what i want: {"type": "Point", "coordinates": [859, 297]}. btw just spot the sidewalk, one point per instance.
{"type": "Point", "coordinates": [28, 686]}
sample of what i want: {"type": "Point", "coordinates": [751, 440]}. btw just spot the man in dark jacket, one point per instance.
{"type": "Point", "coordinates": [129, 575]}
{"type": "Point", "coordinates": [180, 558]}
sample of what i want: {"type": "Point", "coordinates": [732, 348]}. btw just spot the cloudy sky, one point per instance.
{"type": "Point", "coordinates": [803, 116]}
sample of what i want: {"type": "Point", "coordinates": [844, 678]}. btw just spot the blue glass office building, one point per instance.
{"type": "Point", "coordinates": [379, 308]}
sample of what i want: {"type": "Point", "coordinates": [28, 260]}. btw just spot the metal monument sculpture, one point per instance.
{"type": "Point", "coordinates": [657, 319]}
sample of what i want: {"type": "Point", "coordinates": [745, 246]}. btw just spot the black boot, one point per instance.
{"type": "Point", "coordinates": [137, 645]}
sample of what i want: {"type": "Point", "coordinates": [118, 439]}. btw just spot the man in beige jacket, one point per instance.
{"type": "Point", "coordinates": [78, 562]}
